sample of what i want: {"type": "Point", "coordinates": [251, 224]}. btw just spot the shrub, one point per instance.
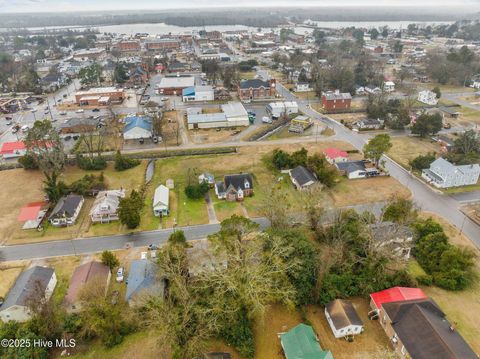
{"type": "Point", "coordinates": [28, 162]}
{"type": "Point", "coordinates": [123, 163]}
{"type": "Point", "coordinates": [87, 183]}
{"type": "Point", "coordinates": [91, 164]}
{"type": "Point", "coordinates": [196, 191]}
{"type": "Point", "coordinates": [425, 279]}
{"type": "Point", "coordinates": [421, 162]}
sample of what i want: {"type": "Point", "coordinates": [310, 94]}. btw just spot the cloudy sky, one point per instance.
{"type": "Point", "coordinates": [85, 5]}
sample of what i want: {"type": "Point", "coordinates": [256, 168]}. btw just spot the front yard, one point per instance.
{"type": "Point", "coordinates": [406, 148]}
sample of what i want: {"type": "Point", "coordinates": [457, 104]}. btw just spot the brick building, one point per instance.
{"type": "Point", "coordinates": [128, 46]}
{"type": "Point", "coordinates": [336, 101]}
{"type": "Point", "coordinates": [162, 44]}
{"type": "Point", "coordinates": [100, 96]}
{"type": "Point", "coordinates": [256, 89]}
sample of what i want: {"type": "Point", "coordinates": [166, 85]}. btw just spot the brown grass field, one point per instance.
{"type": "Point", "coordinates": [406, 148]}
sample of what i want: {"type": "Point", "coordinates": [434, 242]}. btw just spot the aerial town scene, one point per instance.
{"type": "Point", "coordinates": [240, 180]}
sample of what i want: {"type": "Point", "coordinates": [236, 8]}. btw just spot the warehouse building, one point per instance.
{"type": "Point", "coordinates": [198, 93]}
{"type": "Point", "coordinates": [233, 115]}
{"type": "Point", "coordinates": [175, 84]}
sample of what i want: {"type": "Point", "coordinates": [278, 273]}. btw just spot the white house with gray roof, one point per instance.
{"type": "Point", "coordinates": [30, 284]}
{"type": "Point", "coordinates": [443, 174]}
{"type": "Point", "coordinates": [105, 207]}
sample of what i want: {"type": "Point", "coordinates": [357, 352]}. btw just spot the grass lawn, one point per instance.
{"type": "Point", "coordinates": [373, 341]}
{"type": "Point", "coordinates": [306, 95]}
{"type": "Point", "coordinates": [224, 209]}
{"type": "Point", "coordinates": [64, 267]}
{"type": "Point", "coordinates": [445, 88]}
{"type": "Point", "coordinates": [183, 211]}
{"type": "Point", "coordinates": [469, 115]}
{"type": "Point", "coordinates": [462, 307]}
{"type": "Point", "coordinates": [130, 179]}
{"type": "Point", "coordinates": [279, 319]}
{"type": "Point", "coordinates": [9, 271]}
{"type": "Point", "coordinates": [247, 75]}
{"type": "Point", "coordinates": [50, 233]}
{"type": "Point", "coordinates": [406, 148]}
{"type": "Point", "coordinates": [363, 191]}
{"type": "Point", "coordinates": [109, 144]}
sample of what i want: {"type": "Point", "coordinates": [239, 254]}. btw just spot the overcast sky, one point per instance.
{"type": "Point", "coordinates": [86, 5]}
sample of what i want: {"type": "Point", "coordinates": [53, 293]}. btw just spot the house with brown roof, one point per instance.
{"type": "Point", "coordinates": [418, 329]}
{"type": "Point", "coordinates": [235, 187]}
{"type": "Point", "coordinates": [91, 272]}
{"type": "Point", "coordinates": [343, 318]}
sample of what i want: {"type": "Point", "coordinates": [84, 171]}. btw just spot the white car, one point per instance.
{"type": "Point", "coordinates": [24, 128]}
{"type": "Point", "coordinates": [266, 119]}
{"type": "Point", "coordinates": [63, 113]}
{"type": "Point", "coordinates": [120, 274]}
{"type": "Point", "coordinates": [80, 110]}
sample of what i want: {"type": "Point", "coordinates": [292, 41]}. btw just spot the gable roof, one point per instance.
{"type": "Point", "coordinates": [142, 276]}
{"type": "Point", "coordinates": [342, 313]}
{"type": "Point", "coordinates": [161, 196]}
{"type": "Point", "coordinates": [302, 343]}
{"type": "Point", "coordinates": [396, 294]}
{"type": "Point", "coordinates": [302, 175]}
{"type": "Point", "coordinates": [26, 285]}
{"type": "Point", "coordinates": [11, 147]}
{"type": "Point", "coordinates": [351, 166]}
{"type": "Point", "coordinates": [335, 153]}
{"type": "Point", "coordinates": [82, 275]}
{"type": "Point", "coordinates": [137, 121]}
{"type": "Point", "coordinates": [238, 181]}
{"type": "Point", "coordinates": [107, 199]}
{"type": "Point", "coordinates": [254, 83]}
{"type": "Point", "coordinates": [424, 331]}
{"type": "Point", "coordinates": [66, 206]}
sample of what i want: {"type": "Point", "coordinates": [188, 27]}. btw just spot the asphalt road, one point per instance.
{"type": "Point", "coordinates": [425, 197]}
{"type": "Point", "coordinates": [98, 244]}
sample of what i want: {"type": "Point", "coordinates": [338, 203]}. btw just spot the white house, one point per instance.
{"type": "Point", "coordinates": [388, 86]}
{"type": "Point", "coordinates": [443, 174]}
{"type": "Point", "coordinates": [105, 207]}
{"type": "Point", "coordinates": [427, 97]}
{"type": "Point", "coordinates": [302, 87]}
{"type": "Point", "coordinates": [30, 283]}
{"type": "Point", "coordinates": [160, 201]}
{"type": "Point", "coordinates": [343, 318]}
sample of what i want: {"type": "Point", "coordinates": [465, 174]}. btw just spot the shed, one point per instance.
{"type": "Point", "coordinates": [301, 342]}
{"type": "Point", "coordinates": [343, 318]}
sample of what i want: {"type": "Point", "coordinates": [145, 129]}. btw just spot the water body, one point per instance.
{"type": "Point", "coordinates": [163, 29]}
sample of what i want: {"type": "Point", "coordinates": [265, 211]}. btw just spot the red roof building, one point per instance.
{"type": "Point", "coordinates": [395, 294]}
{"type": "Point", "coordinates": [334, 155]}
{"type": "Point", "coordinates": [13, 149]}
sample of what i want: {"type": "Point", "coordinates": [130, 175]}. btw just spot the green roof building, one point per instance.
{"type": "Point", "coordinates": [302, 343]}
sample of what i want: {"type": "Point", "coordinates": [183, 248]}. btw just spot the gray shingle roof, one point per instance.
{"type": "Point", "coordinates": [66, 206]}
{"type": "Point", "coordinates": [26, 284]}
{"type": "Point", "coordinates": [350, 166]}
{"type": "Point", "coordinates": [302, 175]}
{"type": "Point", "coordinates": [254, 83]}
{"type": "Point", "coordinates": [142, 276]}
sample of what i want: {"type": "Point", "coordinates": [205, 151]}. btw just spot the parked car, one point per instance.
{"type": "Point", "coordinates": [120, 274]}
{"type": "Point", "coordinates": [9, 123]}
{"type": "Point", "coordinates": [63, 113]}
{"type": "Point", "coordinates": [25, 128]}
{"type": "Point", "coordinates": [67, 138]}
{"type": "Point", "coordinates": [152, 247]}
{"type": "Point", "coordinates": [96, 110]}
{"type": "Point", "coordinates": [266, 119]}
{"type": "Point", "coordinates": [80, 110]}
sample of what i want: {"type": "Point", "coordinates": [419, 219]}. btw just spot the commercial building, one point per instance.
{"type": "Point", "coordinates": [198, 93]}
{"type": "Point", "coordinates": [233, 115]}
{"type": "Point", "coordinates": [162, 44]}
{"type": "Point", "coordinates": [99, 96]}
{"type": "Point", "coordinates": [174, 85]}
{"type": "Point", "coordinates": [277, 109]}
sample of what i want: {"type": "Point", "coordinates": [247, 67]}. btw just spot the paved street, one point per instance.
{"type": "Point", "coordinates": [424, 196]}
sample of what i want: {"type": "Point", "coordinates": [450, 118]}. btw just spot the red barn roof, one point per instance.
{"type": "Point", "coordinates": [335, 153]}
{"type": "Point", "coordinates": [396, 294]}
{"type": "Point", "coordinates": [11, 147]}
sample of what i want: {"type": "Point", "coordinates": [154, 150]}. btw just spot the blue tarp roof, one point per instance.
{"type": "Point", "coordinates": [137, 121]}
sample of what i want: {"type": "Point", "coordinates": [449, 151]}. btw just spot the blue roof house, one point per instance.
{"type": "Point", "coordinates": [143, 281]}
{"type": "Point", "coordinates": [137, 127]}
